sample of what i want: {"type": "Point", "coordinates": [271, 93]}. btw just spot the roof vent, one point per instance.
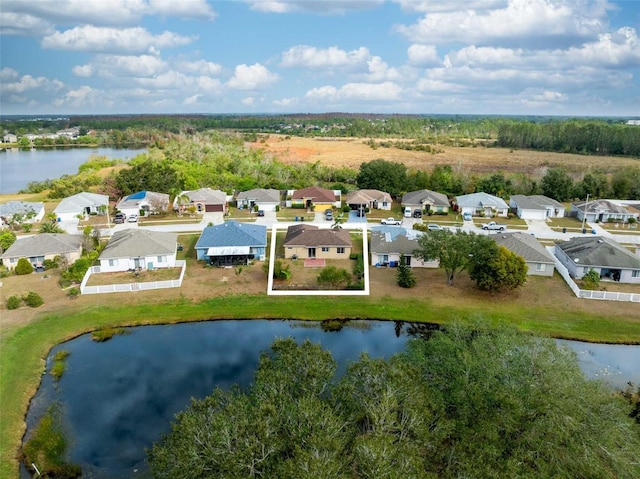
{"type": "Point", "coordinates": [600, 241]}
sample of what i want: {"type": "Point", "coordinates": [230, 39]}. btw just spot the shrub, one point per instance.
{"type": "Point", "coordinates": [334, 277]}
{"type": "Point", "coordinates": [27, 227]}
{"type": "Point", "coordinates": [73, 292]}
{"type": "Point", "coordinates": [13, 302]}
{"type": "Point", "coordinates": [353, 256]}
{"type": "Point", "coordinates": [631, 220]}
{"type": "Point", "coordinates": [33, 299]}
{"type": "Point", "coordinates": [24, 267]}
{"type": "Point", "coordinates": [51, 263]}
{"type": "Point", "coordinates": [591, 280]}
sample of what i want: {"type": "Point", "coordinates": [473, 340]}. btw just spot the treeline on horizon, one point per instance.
{"type": "Point", "coordinates": [221, 160]}
{"type": "Point", "coordinates": [589, 136]}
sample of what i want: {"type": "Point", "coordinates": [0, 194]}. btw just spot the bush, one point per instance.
{"type": "Point", "coordinates": [13, 302]}
{"type": "Point", "coordinates": [73, 292]}
{"type": "Point", "coordinates": [353, 256]}
{"type": "Point", "coordinates": [51, 263]}
{"type": "Point", "coordinates": [24, 267]}
{"type": "Point", "coordinates": [33, 299]}
{"type": "Point", "coordinates": [591, 280]}
{"type": "Point", "coordinates": [631, 221]}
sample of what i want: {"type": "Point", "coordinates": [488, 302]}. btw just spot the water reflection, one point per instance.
{"type": "Point", "coordinates": [120, 396]}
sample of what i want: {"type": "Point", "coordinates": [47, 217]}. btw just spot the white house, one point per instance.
{"type": "Point", "coordinates": [40, 247]}
{"type": "Point", "coordinates": [389, 243]}
{"type": "Point", "coordinates": [144, 203]}
{"type": "Point", "coordinates": [139, 249]}
{"type": "Point", "coordinates": [536, 207]}
{"type": "Point", "coordinates": [10, 138]}
{"type": "Point", "coordinates": [263, 199]}
{"type": "Point", "coordinates": [602, 210]}
{"type": "Point", "coordinates": [81, 204]}
{"type": "Point", "coordinates": [482, 204]}
{"type": "Point", "coordinates": [607, 257]}
{"type": "Point", "coordinates": [29, 211]}
{"type": "Point", "coordinates": [372, 199]}
{"type": "Point", "coordinates": [426, 200]}
{"type": "Point", "coordinates": [539, 261]}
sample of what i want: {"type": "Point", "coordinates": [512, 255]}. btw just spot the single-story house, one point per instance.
{"type": "Point", "coordinates": [602, 210]}
{"type": "Point", "coordinates": [264, 199]}
{"type": "Point", "coordinates": [315, 196]}
{"type": "Point", "coordinates": [81, 204]}
{"type": "Point", "coordinates": [482, 204]}
{"type": "Point", "coordinates": [10, 138]}
{"type": "Point", "coordinates": [372, 199]}
{"type": "Point", "coordinates": [426, 200]}
{"type": "Point", "coordinates": [539, 261]}
{"type": "Point", "coordinates": [536, 207]}
{"type": "Point", "coordinates": [308, 241]}
{"type": "Point", "coordinates": [606, 256]}
{"type": "Point", "coordinates": [205, 200]}
{"type": "Point", "coordinates": [139, 249]}
{"type": "Point", "coordinates": [29, 211]}
{"type": "Point", "coordinates": [43, 246]}
{"type": "Point", "coordinates": [144, 203]}
{"type": "Point", "coordinates": [388, 243]}
{"type": "Point", "coordinates": [232, 243]}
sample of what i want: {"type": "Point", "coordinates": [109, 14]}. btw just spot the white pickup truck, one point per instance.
{"type": "Point", "coordinates": [391, 221]}
{"type": "Point", "coordinates": [493, 226]}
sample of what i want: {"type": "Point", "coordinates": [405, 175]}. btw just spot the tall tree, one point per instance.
{"type": "Point", "coordinates": [557, 184]}
{"type": "Point", "coordinates": [383, 175]}
{"type": "Point", "coordinates": [495, 268]}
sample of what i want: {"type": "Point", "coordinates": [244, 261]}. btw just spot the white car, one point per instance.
{"type": "Point", "coordinates": [133, 218]}
{"type": "Point", "coordinates": [434, 227]}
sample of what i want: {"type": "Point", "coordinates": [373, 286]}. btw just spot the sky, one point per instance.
{"type": "Point", "coordinates": [502, 57]}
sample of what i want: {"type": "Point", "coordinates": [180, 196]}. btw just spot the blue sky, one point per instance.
{"type": "Point", "coordinates": [521, 57]}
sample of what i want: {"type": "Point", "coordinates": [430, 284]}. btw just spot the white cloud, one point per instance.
{"type": "Point", "coordinates": [431, 85]}
{"type": "Point", "coordinates": [28, 82]}
{"type": "Point", "coordinates": [201, 67]}
{"type": "Point", "coordinates": [618, 49]}
{"type": "Point", "coordinates": [82, 98]}
{"type": "Point", "coordinates": [313, 6]}
{"type": "Point", "coordinates": [253, 77]}
{"type": "Point", "coordinates": [248, 101]}
{"type": "Point", "coordinates": [425, 6]}
{"type": "Point", "coordinates": [304, 56]}
{"type": "Point", "coordinates": [167, 80]}
{"type": "Point", "coordinates": [89, 38]}
{"type": "Point", "coordinates": [122, 66]}
{"type": "Point", "coordinates": [423, 55]}
{"type": "Point", "coordinates": [113, 12]}
{"type": "Point", "coordinates": [8, 74]}
{"type": "Point", "coordinates": [193, 99]}
{"type": "Point", "coordinates": [286, 102]}
{"type": "Point", "coordinates": [23, 24]}
{"type": "Point", "coordinates": [522, 21]}
{"type": "Point", "coordinates": [387, 91]}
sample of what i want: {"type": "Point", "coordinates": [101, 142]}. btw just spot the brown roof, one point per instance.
{"type": "Point", "coordinates": [309, 235]}
{"type": "Point", "coordinates": [315, 193]}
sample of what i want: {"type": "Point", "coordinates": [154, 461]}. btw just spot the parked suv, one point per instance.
{"type": "Point", "coordinates": [133, 218]}
{"type": "Point", "coordinates": [328, 214]}
{"type": "Point", "coordinates": [119, 218]}
{"type": "Point", "coordinates": [417, 213]}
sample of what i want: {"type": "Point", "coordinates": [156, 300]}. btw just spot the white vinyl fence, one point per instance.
{"type": "Point", "coordinates": [129, 287]}
{"type": "Point", "coordinates": [588, 294]}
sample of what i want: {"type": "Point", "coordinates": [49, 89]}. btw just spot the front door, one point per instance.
{"type": "Point", "coordinates": [311, 252]}
{"type": "Point", "coordinates": [136, 263]}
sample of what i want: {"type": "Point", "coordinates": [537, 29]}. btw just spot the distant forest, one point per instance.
{"type": "Point", "coordinates": [581, 136]}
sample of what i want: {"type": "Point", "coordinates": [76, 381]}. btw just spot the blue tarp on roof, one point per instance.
{"type": "Point", "coordinates": [137, 196]}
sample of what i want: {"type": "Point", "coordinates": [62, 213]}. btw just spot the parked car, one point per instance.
{"type": "Point", "coordinates": [119, 218]}
{"type": "Point", "coordinates": [407, 212]}
{"type": "Point", "coordinates": [328, 214]}
{"type": "Point", "coordinates": [260, 212]}
{"type": "Point", "coordinates": [391, 221]}
{"type": "Point", "coordinates": [467, 217]}
{"type": "Point", "coordinates": [133, 218]}
{"type": "Point", "coordinates": [434, 227]}
{"type": "Point", "coordinates": [417, 213]}
{"type": "Point", "coordinates": [493, 226]}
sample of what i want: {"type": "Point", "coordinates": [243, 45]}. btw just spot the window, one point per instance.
{"type": "Point", "coordinates": [112, 262]}
{"type": "Point", "coordinates": [541, 267]}
{"type": "Point", "coordinates": [340, 250]}
{"type": "Point", "coordinates": [325, 249]}
{"type": "Point", "coordinates": [162, 259]}
{"type": "Point", "coordinates": [635, 273]}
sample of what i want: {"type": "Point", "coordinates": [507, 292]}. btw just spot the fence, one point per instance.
{"type": "Point", "coordinates": [129, 287]}
{"type": "Point", "coordinates": [588, 294]}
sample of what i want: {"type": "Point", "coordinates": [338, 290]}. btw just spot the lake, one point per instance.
{"type": "Point", "coordinates": [18, 167]}
{"type": "Point", "coordinates": [120, 396]}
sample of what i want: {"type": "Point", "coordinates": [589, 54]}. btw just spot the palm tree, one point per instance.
{"type": "Point", "coordinates": [178, 197]}
{"type": "Point", "coordinates": [50, 228]}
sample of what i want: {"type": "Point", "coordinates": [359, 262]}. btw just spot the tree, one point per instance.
{"type": "Point", "coordinates": [494, 268]}
{"type": "Point", "coordinates": [404, 275]}
{"type": "Point", "coordinates": [557, 184]}
{"type": "Point", "coordinates": [591, 280]}
{"type": "Point", "coordinates": [24, 266]}
{"type": "Point", "coordinates": [50, 228]}
{"type": "Point", "coordinates": [336, 278]}
{"type": "Point", "coordinates": [471, 401]}
{"type": "Point", "coordinates": [382, 175]}
{"type": "Point", "coordinates": [7, 238]}
{"type": "Point", "coordinates": [452, 250]}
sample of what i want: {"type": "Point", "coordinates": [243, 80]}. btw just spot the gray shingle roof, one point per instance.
{"type": "Point", "coordinates": [260, 195]}
{"type": "Point", "coordinates": [132, 243]}
{"type": "Point", "coordinates": [535, 202]}
{"type": "Point", "coordinates": [363, 197]}
{"type": "Point", "coordinates": [601, 206]}
{"type": "Point", "coordinates": [20, 207]}
{"type": "Point", "coordinates": [421, 197]}
{"type": "Point", "coordinates": [394, 240]}
{"type": "Point", "coordinates": [207, 196]}
{"type": "Point", "coordinates": [151, 197]}
{"type": "Point", "coordinates": [599, 251]}
{"type": "Point", "coordinates": [480, 200]}
{"type": "Point", "coordinates": [77, 203]}
{"type": "Point", "coordinates": [524, 245]}
{"type": "Point", "coordinates": [44, 244]}
{"type": "Point", "coordinates": [233, 233]}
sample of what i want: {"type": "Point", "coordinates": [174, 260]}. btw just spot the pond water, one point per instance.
{"type": "Point", "coordinates": [20, 166]}
{"type": "Point", "coordinates": [120, 396]}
